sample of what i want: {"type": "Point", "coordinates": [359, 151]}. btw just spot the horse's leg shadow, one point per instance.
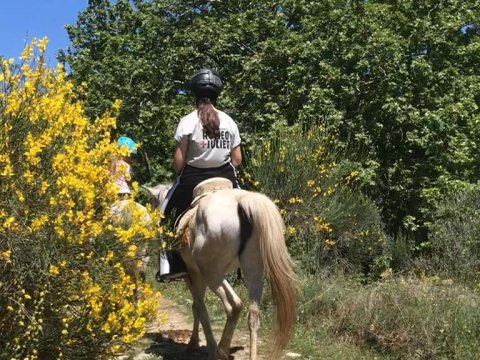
{"type": "Point", "coordinates": [170, 349]}
{"type": "Point", "coordinates": [172, 345]}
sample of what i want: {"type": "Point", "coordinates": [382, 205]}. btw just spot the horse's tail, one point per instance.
{"type": "Point", "coordinates": [268, 225]}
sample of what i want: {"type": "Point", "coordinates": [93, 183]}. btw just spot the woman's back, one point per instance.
{"type": "Point", "coordinates": [202, 150]}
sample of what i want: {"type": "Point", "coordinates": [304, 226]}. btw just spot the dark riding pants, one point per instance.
{"type": "Point", "coordinates": [189, 178]}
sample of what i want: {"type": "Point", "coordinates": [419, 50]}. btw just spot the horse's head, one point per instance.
{"type": "Point", "coordinates": [157, 194]}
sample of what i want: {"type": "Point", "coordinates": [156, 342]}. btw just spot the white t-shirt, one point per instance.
{"type": "Point", "coordinates": [202, 151]}
{"type": "Point", "coordinates": [121, 172]}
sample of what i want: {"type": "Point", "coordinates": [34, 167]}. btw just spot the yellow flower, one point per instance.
{"type": "Point", "coordinates": [5, 255]}
{"type": "Point", "coordinates": [7, 170]}
{"type": "Point", "coordinates": [43, 187]}
{"type": "Point", "coordinates": [20, 196]}
{"type": "Point", "coordinates": [115, 349]}
{"type": "Point", "coordinates": [291, 230]}
{"type": "Point", "coordinates": [7, 224]}
{"type": "Point", "coordinates": [27, 52]}
{"type": "Point", "coordinates": [43, 44]}
{"type": "Point", "coordinates": [106, 328]}
{"type": "Point", "coordinates": [38, 222]}
{"type": "Point", "coordinates": [54, 270]}
{"type": "Point", "coordinates": [295, 200]}
{"type": "Point", "coordinates": [386, 274]}
{"type": "Point", "coordinates": [132, 249]}
{"type": "Point", "coordinates": [109, 256]}
{"type": "Point", "coordinates": [329, 243]}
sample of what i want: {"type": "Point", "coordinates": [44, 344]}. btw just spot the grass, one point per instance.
{"type": "Point", "coordinates": [342, 318]}
{"type": "Point", "coordinates": [403, 318]}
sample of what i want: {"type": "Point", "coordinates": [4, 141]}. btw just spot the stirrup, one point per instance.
{"type": "Point", "coordinates": [170, 266]}
{"type": "Point", "coordinates": [170, 277]}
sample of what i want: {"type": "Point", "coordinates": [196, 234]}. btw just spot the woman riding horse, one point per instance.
{"type": "Point", "coordinates": [207, 146]}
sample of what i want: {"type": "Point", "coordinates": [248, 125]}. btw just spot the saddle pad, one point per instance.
{"type": "Point", "coordinates": [206, 186]}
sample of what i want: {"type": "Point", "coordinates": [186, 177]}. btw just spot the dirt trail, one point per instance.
{"type": "Point", "coordinates": [167, 340]}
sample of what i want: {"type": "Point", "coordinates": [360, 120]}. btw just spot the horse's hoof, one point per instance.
{"type": "Point", "coordinates": [224, 349]}
{"type": "Point", "coordinates": [193, 345]}
{"type": "Point", "coordinates": [222, 355]}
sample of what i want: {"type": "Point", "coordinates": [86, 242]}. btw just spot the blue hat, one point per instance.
{"type": "Point", "coordinates": [125, 141]}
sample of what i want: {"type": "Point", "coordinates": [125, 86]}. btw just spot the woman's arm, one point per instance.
{"type": "Point", "coordinates": [179, 155]}
{"type": "Point", "coordinates": [236, 156]}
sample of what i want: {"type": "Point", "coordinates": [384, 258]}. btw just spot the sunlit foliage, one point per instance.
{"type": "Point", "coordinates": [331, 225]}
{"type": "Point", "coordinates": [67, 289]}
{"type": "Point", "coordinates": [396, 79]}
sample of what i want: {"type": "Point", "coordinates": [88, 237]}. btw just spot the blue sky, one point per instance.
{"type": "Point", "coordinates": [22, 20]}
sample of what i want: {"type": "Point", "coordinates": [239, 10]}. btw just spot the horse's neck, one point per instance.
{"type": "Point", "coordinates": [162, 194]}
{"type": "Point", "coordinates": [162, 197]}
{"type": "Point", "coordinates": [157, 194]}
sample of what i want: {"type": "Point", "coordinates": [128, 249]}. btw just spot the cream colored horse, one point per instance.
{"type": "Point", "coordinates": [234, 228]}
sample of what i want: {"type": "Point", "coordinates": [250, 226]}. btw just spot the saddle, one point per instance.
{"type": "Point", "coordinates": [205, 188]}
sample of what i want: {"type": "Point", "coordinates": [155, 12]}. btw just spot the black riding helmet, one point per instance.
{"type": "Point", "coordinates": [206, 83]}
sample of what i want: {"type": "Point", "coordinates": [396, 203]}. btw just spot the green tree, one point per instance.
{"type": "Point", "coordinates": [112, 52]}
{"type": "Point", "coordinates": [395, 81]}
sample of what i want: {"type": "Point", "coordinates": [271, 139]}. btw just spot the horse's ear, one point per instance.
{"type": "Point", "coordinates": [151, 192]}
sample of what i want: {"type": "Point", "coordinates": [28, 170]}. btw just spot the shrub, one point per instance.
{"type": "Point", "coordinates": [330, 223]}
{"type": "Point", "coordinates": [403, 318]}
{"type": "Point", "coordinates": [64, 290]}
{"type": "Point", "coordinates": [455, 235]}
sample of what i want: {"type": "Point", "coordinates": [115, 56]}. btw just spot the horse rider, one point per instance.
{"type": "Point", "coordinates": [121, 167]}
{"type": "Point", "coordinates": [121, 210]}
{"type": "Point", "coordinates": [207, 146]}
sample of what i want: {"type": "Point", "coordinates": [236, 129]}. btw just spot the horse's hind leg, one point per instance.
{"type": "Point", "coordinates": [255, 295]}
{"type": "Point", "coordinates": [252, 267]}
{"type": "Point", "coordinates": [233, 306]}
{"type": "Point", "coordinates": [197, 288]}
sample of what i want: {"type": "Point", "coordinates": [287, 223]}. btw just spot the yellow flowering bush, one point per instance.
{"type": "Point", "coordinates": [329, 221]}
{"type": "Point", "coordinates": [67, 288]}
